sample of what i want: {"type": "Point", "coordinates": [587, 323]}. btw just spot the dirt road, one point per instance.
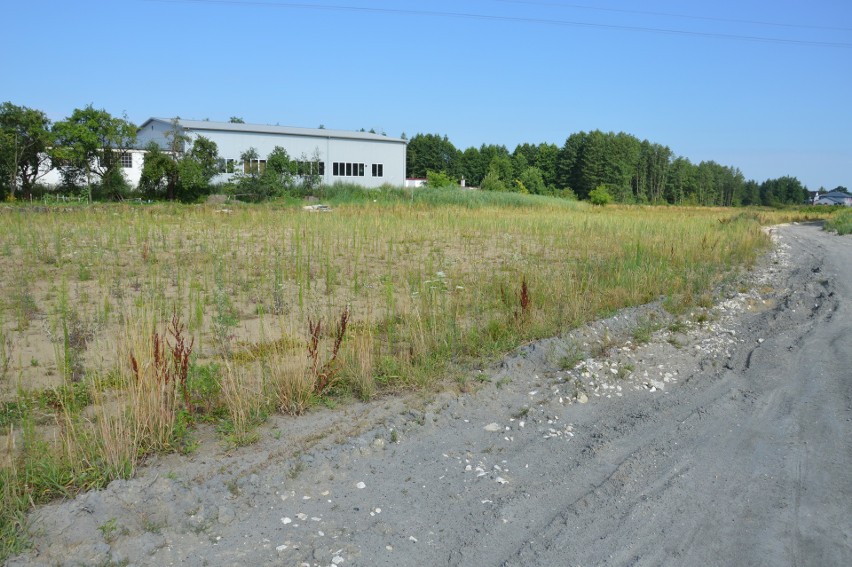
{"type": "Point", "coordinates": [726, 442]}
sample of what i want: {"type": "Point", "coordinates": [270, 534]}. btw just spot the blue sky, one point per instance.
{"type": "Point", "coordinates": [479, 71]}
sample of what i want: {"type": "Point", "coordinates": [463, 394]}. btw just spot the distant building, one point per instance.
{"type": "Point", "coordinates": [366, 159]}
{"type": "Point", "coordinates": [415, 182]}
{"type": "Point", "coordinates": [834, 198]}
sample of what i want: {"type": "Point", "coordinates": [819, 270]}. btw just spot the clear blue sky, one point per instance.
{"type": "Point", "coordinates": [479, 71]}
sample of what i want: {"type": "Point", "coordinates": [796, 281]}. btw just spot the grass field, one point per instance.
{"type": "Point", "coordinates": [122, 326]}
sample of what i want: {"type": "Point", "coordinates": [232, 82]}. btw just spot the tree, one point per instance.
{"type": "Point", "coordinates": [25, 138]}
{"type": "Point", "coordinates": [532, 180]}
{"type": "Point", "coordinates": [261, 180]}
{"type": "Point", "coordinates": [280, 169]}
{"type": "Point", "coordinates": [439, 179]}
{"type": "Point", "coordinates": [431, 152]}
{"type": "Point", "coordinates": [236, 120]}
{"type": "Point", "coordinates": [546, 160]}
{"type": "Point", "coordinates": [177, 173]}
{"type": "Point", "coordinates": [159, 170]}
{"type": "Point", "coordinates": [310, 171]}
{"type": "Point", "coordinates": [600, 196]}
{"type": "Point", "coordinates": [206, 153]}
{"type": "Point", "coordinates": [783, 191]}
{"type": "Point", "coordinates": [492, 182]}
{"type": "Point", "coordinates": [92, 142]}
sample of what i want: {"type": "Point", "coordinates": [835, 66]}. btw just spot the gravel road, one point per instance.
{"type": "Point", "coordinates": [723, 441]}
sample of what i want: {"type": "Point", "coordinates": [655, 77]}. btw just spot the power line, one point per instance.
{"type": "Point", "coordinates": [673, 15]}
{"type": "Point", "coordinates": [515, 19]}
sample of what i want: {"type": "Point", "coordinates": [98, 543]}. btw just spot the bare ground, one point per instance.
{"type": "Point", "coordinates": [723, 442]}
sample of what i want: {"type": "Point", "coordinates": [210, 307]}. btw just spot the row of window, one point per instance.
{"type": "Point", "coordinates": [339, 168]}
{"type": "Point", "coordinates": [227, 165]}
{"type": "Point", "coordinates": [346, 169]}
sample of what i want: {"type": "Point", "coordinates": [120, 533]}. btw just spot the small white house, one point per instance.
{"type": "Point", "coordinates": [366, 159]}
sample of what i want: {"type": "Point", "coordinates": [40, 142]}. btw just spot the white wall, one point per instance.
{"type": "Point", "coordinates": [53, 177]}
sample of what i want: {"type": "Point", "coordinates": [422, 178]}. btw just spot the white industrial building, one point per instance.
{"type": "Point", "coordinates": [366, 159]}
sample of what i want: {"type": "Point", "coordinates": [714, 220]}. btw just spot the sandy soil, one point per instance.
{"type": "Point", "coordinates": [724, 442]}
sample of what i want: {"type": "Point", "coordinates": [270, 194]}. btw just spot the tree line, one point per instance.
{"type": "Point", "coordinates": [616, 166]}
{"type": "Point", "coordinates": [90, 145]}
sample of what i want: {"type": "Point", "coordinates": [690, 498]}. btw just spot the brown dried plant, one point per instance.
{"type": "Point", "coordinates": [325, 373]}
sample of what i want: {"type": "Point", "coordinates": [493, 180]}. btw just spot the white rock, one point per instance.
{"type": "Point", "coordinates": [337, 560]}
{"type": "Point", "coordinates": [412, 538]}
{"type": "Point", "coordinates": [492, 427]}
{"type": "Point", "coordinates": [281, 548]}
{"type": "Point", "coordinates": [286, 521]}
{"type": "Point", "coordinates": [360, 485]}
{"type": "Point", "coordinates": [302, 517]}
{"type": "Point", "coordinates": [582, 398]}
{"type": "Point", "coordinates": [501, 480]}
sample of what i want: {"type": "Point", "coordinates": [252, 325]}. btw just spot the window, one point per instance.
{"type": "Point", "coordinates": [254, 166]}
{"type": "Point", "coordinates": [378, 170]}
{"type": "Point", "coordinates": [108, 159]}
{"type": "Point", "coordinates": [344, 169]}
{"type": "Point", "coordinates": [311, 168]}
{"type": "Point", "coordinates": [225, 165]}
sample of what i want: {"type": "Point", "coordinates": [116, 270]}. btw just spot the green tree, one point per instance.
{"type": "Point", "coordinates": [431, 152]}
{"type": "Point", "coordinates": [280, 170]}
{"type": "Point", "coordinates": [546, 160]}
{"type": "Point", "coordinates": [25, 138]}
{"type": "Point", "coordinates": [159, 170]}
{"type": "Point", "coordinates": [92, 142]}
{"type": "Point", "coordinates": [238, 120]}
{"type": "Point", "coordinates": [680, 179]}
{"type": "Point", "coordinates": [206, 153]}
{"type": "Point", "coordinates": [533, 181]}
{"type": "Point", "coordinates": [177, 173]}
{"type": "Point", "coordinates": [309, 170]}
{"type": "Point", "coordinates": [439, 179]}
{"type": "Point", "coordinates": [492, 182]}
{"type": "Point", "coordinates": [783, 191]}
{"type": "Point", "coordinates": [503, 168]}
{"type": "Point", "coordinates": [259, 181]}
{"type": "Point", "coordinates": [600, 196]}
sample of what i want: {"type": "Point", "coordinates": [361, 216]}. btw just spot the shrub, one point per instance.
{"type": "Point", "coordinates": [600, 196]}
{"type": "Point", "coordinates": [439, 179]}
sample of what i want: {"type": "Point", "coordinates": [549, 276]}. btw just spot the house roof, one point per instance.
{"type": "Point", "coordinates": [836, 195]}
{"type": "Point", "coordinates": [201, 125]}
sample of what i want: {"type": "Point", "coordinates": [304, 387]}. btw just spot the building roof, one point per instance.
{"type": "Point", "coordinates": [837, 197]}
{"type": "Point", "coordinates": [197, 125]}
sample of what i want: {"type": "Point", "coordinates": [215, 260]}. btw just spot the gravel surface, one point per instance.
{"type": "Point", "coordinates": [723, 440]}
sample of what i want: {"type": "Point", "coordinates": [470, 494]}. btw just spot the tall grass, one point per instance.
{"type": "Point", "coordinates": [841, 223]}
{"type": "Point", "coordinates": [429, 279]}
